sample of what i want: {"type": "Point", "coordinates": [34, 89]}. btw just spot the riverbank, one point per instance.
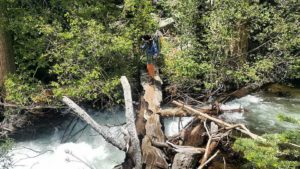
{"type": "Point", "coordinates": [48, 138]}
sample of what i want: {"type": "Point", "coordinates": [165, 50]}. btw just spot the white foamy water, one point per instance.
{"type": "Point", "coordinates": [171, 124]}
{"type": "Point", "coordinates": [89, 150]}
{"type": "Point", "coordinates": [261, 112]}
{"type": "Point", "coordinates": [86, 151]}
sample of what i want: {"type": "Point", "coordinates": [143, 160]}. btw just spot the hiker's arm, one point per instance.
{"type": "Point", "coordinates": [155, 50]}
{"type": "Point", "coordinates": [143, 46]}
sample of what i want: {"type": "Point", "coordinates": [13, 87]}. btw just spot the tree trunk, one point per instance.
{"type": "Point", "coordinates": [6, 59]}
{"type": "Point", "coordinates": [136, 153]}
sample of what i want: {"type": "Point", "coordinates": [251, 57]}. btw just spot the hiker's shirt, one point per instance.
{"type": "Point", "coordinates": [151, 51]}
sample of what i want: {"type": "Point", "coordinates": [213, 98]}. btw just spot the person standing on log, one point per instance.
{"type": "Point", "coordinates": [151, 52]}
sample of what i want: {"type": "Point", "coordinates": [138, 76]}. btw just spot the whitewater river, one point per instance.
{"type": "Point", "coordinates": [88, 150]}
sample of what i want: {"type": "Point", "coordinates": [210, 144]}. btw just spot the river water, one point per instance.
{"type": "Point", "coordinates": [85, 151]}
{"type": "Point", "coordinates": [262, 110]}
{"type": "Point", "coordinates": [88, 150]}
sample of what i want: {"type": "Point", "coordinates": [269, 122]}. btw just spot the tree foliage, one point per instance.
{"type": "Point", "coordinates": [241, 41]}
{"type": "Point", "coordinates": [80, 48]}
{"type": "Point", "coordinates": [74, 48]}
{"type": "Point", "coordinates": [278, 151]}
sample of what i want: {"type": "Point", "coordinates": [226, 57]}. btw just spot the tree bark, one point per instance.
{"type": "Point", "coordinates": [184, 161]}
{"type": "Point", "coordinates": [153, 157]}
{"type": "Point", "coordinates": [130, 121]}
{"type": "Point", "coordinates": [6, 58]}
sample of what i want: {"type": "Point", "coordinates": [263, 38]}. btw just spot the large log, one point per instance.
{"type": "Point", "coordinates": [241, 92]}
{"type": "Point", "coordinates": [153, 128]}
{"type": "Point", "coordinates": [153, 157]}
{"type": "Point", "coordinates": [130, 142]}
{"type": "Point", "coordinates": [130, 122]}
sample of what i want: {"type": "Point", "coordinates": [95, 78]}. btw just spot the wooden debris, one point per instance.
{"type": "Point", "coordinates": [179, 112]}
{"type": "Point", "coordinates": [184, 161]}
{"type": "Point", "coordinates": [144, 140]}
{"type": "Point", "coordinates": [153, 128]}
{"type": "Point", "coordinates": [212, 143]}
{"type": "Point", "coordinates": [211, 158]}
{"type": "Point", "coordinates": [152, 156]}
{"type": "Point", "coordinates": [186, 149]}
{"type": "Point", "coordinates": [220, 122]}
{"type": "Point", "coordinates": [130, 123]}
{"type": "Point", "coordinates": [140, 121]}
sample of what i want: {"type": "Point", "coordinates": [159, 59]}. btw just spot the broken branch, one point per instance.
{"type": "Point", "coordinates": [102, 130]}
{"type": "Point", "coordinates": [220, 122]}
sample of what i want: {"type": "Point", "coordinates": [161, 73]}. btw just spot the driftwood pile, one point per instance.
{"type": "Point", "coordinates": [143, 138]}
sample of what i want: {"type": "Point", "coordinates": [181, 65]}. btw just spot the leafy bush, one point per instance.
{"type": "Point", "coordinates": [278, 151]}
{"type": "Point", "coordinates": [79, 48]}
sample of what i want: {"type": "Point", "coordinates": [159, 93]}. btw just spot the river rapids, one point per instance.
{"type": "Point", "coordinates": [88, 150]}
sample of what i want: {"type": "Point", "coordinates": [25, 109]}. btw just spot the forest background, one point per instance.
{"type": "Point", "coordinates": [81, 48]}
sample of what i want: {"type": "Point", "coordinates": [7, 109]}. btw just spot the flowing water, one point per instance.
{"type": "Point", "coordinates": [85, 151]}
{"type": "Point", "coordinates": [88, 150]}
{"type": "Point", "coordinates": [262, 110]}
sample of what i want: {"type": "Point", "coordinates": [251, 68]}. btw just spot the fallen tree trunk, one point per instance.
{"type": "Point", "coordinates": [130, 142]}
{"type": "Point", "coordinates": [146, 147]}
{"type": "Point", "coordinates": [240, 92]}
{"type": "Point", "coordinates": [153, 157]}
{"type": "Point", "coordinates": [102, 130]}
{"type": "Point", "coordinates": [130, 123]}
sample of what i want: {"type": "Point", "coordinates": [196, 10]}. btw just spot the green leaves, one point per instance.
{"type": "Point", "coordinates": [71, 45]}
{"type": "Point", "coordinates": [278, 151]}
{"type": "Point", "coordinates": [77, 48]}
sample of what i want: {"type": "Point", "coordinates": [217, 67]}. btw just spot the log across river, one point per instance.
{"type": "Point", "coordinates": [144, 140]}
{"type": "Point", "coordinates": [194, 144]}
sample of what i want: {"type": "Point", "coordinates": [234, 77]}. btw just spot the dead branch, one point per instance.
{"type": "Point", "coordinates": [6, 129]}
{"type": "Point", "coordinates": [33, 107]}
{"type": "Point", "coordinates": [173, 112]}
{"type": "Point", "coordinates": [102, 130]}
{"type": "Point", "coordinates": [130, 120]}
{"type": "Point", "coordinates": [179, 112]}
{"type": "Point", "coordinates": [210, 146]}
{"type": "Point", "coordinates": [220, 122]}
{"type": "Point", "coordinates": [80, 131]}
{"type": "Point", "coordinates": [211, 158]}
{"type": "Point", "coordinates": [79, 159]}
{"type": "Point", "coordinates": [67, 129]}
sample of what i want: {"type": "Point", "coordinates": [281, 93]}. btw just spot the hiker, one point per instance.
{"type": "Point", "coordinates": [152, 53]}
